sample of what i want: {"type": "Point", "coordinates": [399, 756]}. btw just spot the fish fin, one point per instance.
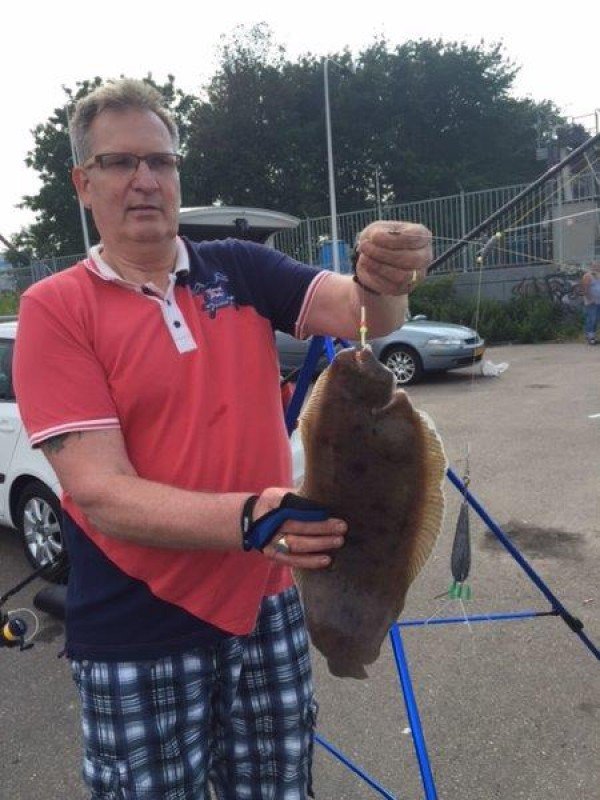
{"type": "Point", "coordinates": [430, 524]}
{"type": "Point", "coordinates": [310, 411]}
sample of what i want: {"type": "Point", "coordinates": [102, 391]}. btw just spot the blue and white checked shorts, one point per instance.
{"type": "Point", "coordinates": [239, 716]}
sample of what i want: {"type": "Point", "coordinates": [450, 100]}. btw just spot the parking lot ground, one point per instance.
{"type": "Point", "coordinates": [509, 709]}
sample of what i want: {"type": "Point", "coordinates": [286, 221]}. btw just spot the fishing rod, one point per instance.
{"type": "Point", "coordinates": [13, 628]}
{"type": "Point", "coordinates": [483, 226]}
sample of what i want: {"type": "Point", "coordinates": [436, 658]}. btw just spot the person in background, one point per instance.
{"type": "Point", "coordinates": [148, 375]}
{"type": "Point", "coordinates": [590, 285]}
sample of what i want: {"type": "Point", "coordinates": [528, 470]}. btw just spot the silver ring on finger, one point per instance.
{"type": "Point", "coordinates": [282, 546]}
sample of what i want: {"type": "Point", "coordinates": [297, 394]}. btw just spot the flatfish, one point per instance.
{"type": "Point", "coordinates": [379, 464]}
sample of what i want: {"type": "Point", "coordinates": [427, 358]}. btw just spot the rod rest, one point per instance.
{"type": "Point", "coordinates": [52, 600]}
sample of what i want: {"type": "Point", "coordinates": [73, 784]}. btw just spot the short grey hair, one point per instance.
{"type": "Point", "coordinates": [120, 95]}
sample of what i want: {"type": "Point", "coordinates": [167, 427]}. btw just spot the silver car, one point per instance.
{"type": "Point", "coordinates": [419, 346]}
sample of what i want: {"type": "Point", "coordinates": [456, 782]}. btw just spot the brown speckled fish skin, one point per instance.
{"type": "Point", "coordinates": [376, 462]}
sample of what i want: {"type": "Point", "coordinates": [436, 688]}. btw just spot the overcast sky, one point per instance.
{"type": "Point", "coordinates": [47, 45]}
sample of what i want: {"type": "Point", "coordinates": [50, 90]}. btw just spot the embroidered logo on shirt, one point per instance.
{"type": "Point", "coordinates": [215, 294]}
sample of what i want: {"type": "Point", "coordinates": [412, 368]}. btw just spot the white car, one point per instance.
{"type": "Point", "coordinates": [29, 488]}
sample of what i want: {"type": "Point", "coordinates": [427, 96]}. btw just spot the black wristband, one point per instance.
{"type": "Point", "coordinates": [355, 278]}
{"type": "Point", "coordinates": [247, 519]}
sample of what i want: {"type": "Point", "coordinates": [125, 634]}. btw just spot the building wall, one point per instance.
{"type": "Point", "coordinates": [504, 284]}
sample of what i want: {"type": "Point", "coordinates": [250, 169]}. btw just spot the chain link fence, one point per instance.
{"type": "Point", "coordinates": [557, 226]}
{"type": "Point", "coordinates": [14, 280]}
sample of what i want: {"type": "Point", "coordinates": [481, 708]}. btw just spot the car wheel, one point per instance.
{"type": "Point", "coordinates": [39, 520]}
{"type": "Point", "coordinates": [405, 363]}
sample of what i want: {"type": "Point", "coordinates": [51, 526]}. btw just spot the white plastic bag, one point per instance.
{"type": "Point", "coordinates": [491, 370]}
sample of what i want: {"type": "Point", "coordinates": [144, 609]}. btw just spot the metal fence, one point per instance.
{"type": "Point", "coordinates": [17, 279]}
{"type": "Point", "coordinates": [48, 266]}
{"type": "Point", "coordinates": [556, 225]}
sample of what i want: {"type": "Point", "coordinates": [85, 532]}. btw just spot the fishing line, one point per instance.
{"type": "Point", "coordinates": [545, 199]}
{"type": "Point", "coordinates": [516, 227]}
{"type": "Point", "coordinates": [536, 258]}
{"type": "Point", "coordinates": [460, 557]}
{"type": "Point", "coordinates": [547, 222]}
{"type": "Point", "coordinates": [592, 170]}
{"type": "Point", "coordinates": [460, 561]}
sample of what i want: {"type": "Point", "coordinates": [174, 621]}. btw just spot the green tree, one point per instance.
{"type": "Point", "coordinates": [438, 117]}
{"type": "Point", "coordinates": [252, 138]}
{"type": "Point", "coordinates": [429, 118]}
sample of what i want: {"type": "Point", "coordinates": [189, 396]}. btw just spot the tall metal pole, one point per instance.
{"type": "Point", "coordinates": [84, 227]}
{"type": "Point", "coordinates": [463, 228]}
{"type": "Point", "coordinates": [378, 193]}
{"type": "Point", "coordinates": [332, 203]}
{"type": "Point", "coordinates": [309, 242]}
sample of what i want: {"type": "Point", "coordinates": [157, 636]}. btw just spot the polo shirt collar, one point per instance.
{"type": "Point", "coordinates": [95, 263]}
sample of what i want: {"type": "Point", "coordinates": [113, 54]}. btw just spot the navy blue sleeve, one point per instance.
{"type": "Point", "coordinates": [267, 279]}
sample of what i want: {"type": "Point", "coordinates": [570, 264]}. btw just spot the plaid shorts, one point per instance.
{"type": "Point", "coordinates": [239, 716]}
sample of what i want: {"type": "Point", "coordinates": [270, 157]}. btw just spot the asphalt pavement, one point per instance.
{"type": "Point", "coordinates": [509, 709]}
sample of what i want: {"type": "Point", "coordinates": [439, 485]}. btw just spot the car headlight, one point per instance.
{"type": "Point", "coordinates": [445, 341]}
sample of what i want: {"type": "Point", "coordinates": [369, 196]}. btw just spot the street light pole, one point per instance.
{"type": "Point", "coordinates": [332, 203]}
{"type": "Point", "coordinates": [377, 192]}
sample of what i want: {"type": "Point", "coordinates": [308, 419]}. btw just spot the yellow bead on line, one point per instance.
{"type": "Point", "coordinates": [363, 326]}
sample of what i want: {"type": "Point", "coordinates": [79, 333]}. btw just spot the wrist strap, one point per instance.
{"type": "Point", "coordinates": [246, 518]}
{"type": "Point", "coordinates": [355, 278]}
{"type": "Point", "coordinates": [261, 531]}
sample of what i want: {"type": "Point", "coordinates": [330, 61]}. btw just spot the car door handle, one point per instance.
{"type": "Point", "coordinates": [6, 426]}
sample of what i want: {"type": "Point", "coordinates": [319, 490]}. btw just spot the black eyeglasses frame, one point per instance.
{"type": "Point", "coordinates": [100, 160]}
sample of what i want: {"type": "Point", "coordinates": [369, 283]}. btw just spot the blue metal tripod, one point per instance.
{"type": "Point", "coordinates": [318, 346]}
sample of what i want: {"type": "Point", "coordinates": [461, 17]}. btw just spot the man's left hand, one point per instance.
{"type": "Point", "coordinates": [393, 256]}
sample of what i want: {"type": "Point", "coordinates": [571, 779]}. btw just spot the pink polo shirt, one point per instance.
{"type": "Point", "coordinates": [191, 379]}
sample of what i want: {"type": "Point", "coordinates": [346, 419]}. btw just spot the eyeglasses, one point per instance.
{"type": "Point", "coordinates": [128, 163]}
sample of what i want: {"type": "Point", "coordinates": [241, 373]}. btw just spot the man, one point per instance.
{"type": "Point", "coordinates": [148, 375]}
{"type": "Point", "coordinates": [590, 285]}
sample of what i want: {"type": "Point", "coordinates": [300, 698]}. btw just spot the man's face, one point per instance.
{"type": "Point", "coordinates": [137, 207]}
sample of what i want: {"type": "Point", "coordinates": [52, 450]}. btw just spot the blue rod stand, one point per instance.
{"type": "Point", "coordinates": [576, 625]}
{"type": "Point", "coordinates": [466, 620]}
{"type": "Point", "coordinates": [323, 344]}
{"type": "Point", "coordinates": [315, 351]}
{"type": "Point", "coordinates": [412, 711]}
{"type": "Point", "coordinates": [351, 766]}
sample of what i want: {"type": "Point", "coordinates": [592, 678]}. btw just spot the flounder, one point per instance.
{"type": "Point", "coordinates": [379, 464]}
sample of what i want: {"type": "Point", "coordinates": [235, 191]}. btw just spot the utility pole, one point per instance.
{"type": "Point", "coordinates": [82, 217]}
